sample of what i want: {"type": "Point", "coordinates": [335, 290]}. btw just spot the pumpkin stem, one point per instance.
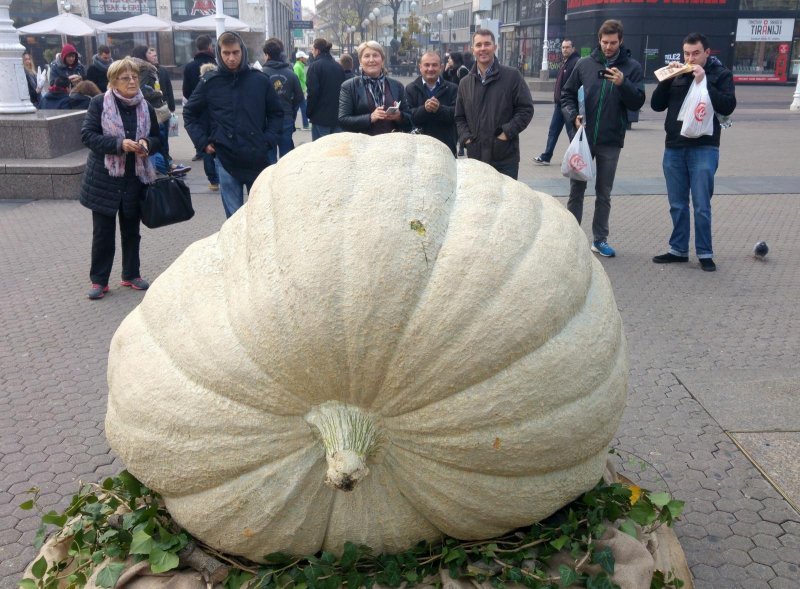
{"type": "Point", "coordinates": [350, 437]}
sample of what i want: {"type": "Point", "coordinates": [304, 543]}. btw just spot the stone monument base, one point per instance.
{"type": "Point", "coordinates": [41, 155]}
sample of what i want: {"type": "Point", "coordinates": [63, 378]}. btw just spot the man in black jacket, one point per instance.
{"type": "Point", "coordinates": [191, 73]}
{"type": "Point", "coordinates": [433, 101]}
{"type": "Point", "coordinates": [98, 70]}
{"type": "Point", "coordinates": [557, 120]}
{"type": "Point", "coordinates": [493, 107]}
{"type": "Point", "coordinates": [286, 84]}
{"type": "Point", "coordinates": [234, 113]}
{"type": "Point", "coordinates": [613, 84]}
{"type": "Point", "coordinates": [323, 81]}
{"type": "Point", "coordinates": [690, 163]}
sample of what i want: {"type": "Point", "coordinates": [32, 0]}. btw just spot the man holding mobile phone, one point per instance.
{"type": "Point", "coordinates": [612, 84]}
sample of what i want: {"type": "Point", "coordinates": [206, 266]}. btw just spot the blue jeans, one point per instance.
{"type": "Point", "coordinates": [511, 170]}
{"type": "Point", "coordinates": [690, 169]}
{"type": "Point", "coordinates": [303, 113]}
{"type": "Point", "coordinates": [318, 131]}
{"type": "Point", "coordinates": [210, 168]}
{"type": "Point", "coordinates": [231, 190]}
{"type": "Point", "coordinates": [285, 143]}
{"type": "Point", "coordinates": [557, 123]}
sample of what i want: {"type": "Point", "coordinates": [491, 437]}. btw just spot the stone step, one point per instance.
{"type": "Point", "coordinates": [36, 179]}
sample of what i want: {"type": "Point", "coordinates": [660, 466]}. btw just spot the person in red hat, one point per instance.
{"type": "Point", "coordinates": [67, 64]}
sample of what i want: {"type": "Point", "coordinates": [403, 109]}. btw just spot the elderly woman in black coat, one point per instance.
{"type": "Point", "coordinates": [121, 130]}
{"type": "Point", "coordinates": [373, 103]}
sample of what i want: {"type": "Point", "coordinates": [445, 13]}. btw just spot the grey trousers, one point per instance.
{"type": "Point", "coordinates": [606, 157]}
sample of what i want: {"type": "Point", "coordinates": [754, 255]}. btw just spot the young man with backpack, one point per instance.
{"type": "Point", "coordinates": [287, 86]}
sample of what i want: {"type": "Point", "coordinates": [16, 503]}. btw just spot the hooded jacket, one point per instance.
{"type": "Point", "coordinates": [440, 124]}
{"type": "Point", "coordinates": [324, 81]}
{"type": "Point", "coordinates": [503, 104]}
{"type": "Point", "coordinates": [59, 68]}
{"type": "Point", "coordinates": [607, 104]}
{"type": "Point", "coordinates": [98, 72]}
{"type": "Point", "coordinates": [191, 73]}
{"type": "Point", "coordinates": [670, 94]}
{"type": "Point", "coordinates": [239, 113]}
{"type": "Point", "coordinates": [286, 85]}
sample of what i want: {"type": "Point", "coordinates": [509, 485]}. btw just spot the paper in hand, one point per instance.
{"type": "Point", "coordinates": [666, 72]}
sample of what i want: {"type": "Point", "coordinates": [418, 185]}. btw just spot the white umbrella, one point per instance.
{"type": "Point", "coordinates": [209, 23]}
{"type": "Point", "coordinates": [141, 23]}
{"type": "Point", "coordinates": [64, 24]}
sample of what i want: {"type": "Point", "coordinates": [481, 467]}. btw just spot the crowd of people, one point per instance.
{"type": "Point", "coordinates": [241, 119]}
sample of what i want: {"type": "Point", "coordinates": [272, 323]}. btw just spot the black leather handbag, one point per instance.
{"type": "Point", "coordinates": [166, 201]}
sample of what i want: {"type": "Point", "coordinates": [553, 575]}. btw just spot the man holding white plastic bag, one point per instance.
{"type": "Point", "coordinates": [690, 156]}
{"type": "Point", "coordinates": [613, 84]}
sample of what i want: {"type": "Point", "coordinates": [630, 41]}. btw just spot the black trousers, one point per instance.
{"type": "Point", "coordinates": [103, 246]}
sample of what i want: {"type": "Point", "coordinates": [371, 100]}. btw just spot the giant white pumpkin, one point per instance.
{"type": "Point", "coordinates": [386, 344]}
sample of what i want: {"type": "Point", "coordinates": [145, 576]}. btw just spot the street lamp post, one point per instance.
{"type": "Point", "coordinates": [440, 18]}
{"type": "Point", "coordinates": [364, 29]}
{"type": "Point", "coordinates": [795, 106]}
{"type": "Point", "coordinates": [377, 12]}
{"type": "Point", "coordinates": [450, 15]}
{"type": "Point", "coordinates": [373, 31]}
{"type": "Point", "coordinates": [544, 74]}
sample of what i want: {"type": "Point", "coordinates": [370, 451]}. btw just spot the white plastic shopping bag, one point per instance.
{"type": "Point", "coordinates": [174, 127]}
{"type": "Point", "coordinates": [696, 112]}
{"type": "Point", "coordinates": [577, 163]}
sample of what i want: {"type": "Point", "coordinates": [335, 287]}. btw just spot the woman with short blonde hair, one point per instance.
{"type": "Point", "coordinates": [120, 130]}
{"type": "Point", "coordinates": [372, 102]}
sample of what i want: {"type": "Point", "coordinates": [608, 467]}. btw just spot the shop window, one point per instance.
{"type": "Point", "coordinates": [188, 9]}
{"type": "Point", "coordinates": [769, 4]}
{"type": "Point", "coordinates": [106, 10]}
{"type": "Point", "coordinates": [761, 61]}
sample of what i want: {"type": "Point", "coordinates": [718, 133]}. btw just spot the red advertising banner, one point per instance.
{"type": "Point", "coordinates": [574, 4]}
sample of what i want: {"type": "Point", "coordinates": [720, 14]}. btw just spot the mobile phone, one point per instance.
{"type": "Point", "coordinates": [603, 73]}
{"type": "Point", "coordinates": [392, 109]}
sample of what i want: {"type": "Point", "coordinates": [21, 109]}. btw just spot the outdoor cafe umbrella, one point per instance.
{"type": "Point", "coordinates": [141, 23]}
{"type": "Point", "coordinates": [64, 24]}
{"type": "Point", "coordinates": [209, 23]}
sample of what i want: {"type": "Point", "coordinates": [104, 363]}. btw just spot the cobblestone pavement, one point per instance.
{"type": "Point", "coordinates": [737, 531]}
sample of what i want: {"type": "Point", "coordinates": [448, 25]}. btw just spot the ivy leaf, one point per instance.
{"type": "Point", "coordinates": [39, 568]}
{"type": "Point", "coordinates": [162, 561]}
{"type": "Point", "coordinates": [131, 484]}
{"type": "Point", "coordinates": [27, 584]}
{"type": "Point", "coordinates": [354, 580]}
{"type": "Point", "coordinates": [605, 558]}
{"type": "Point", "coordinates": [110, 574]}
{"type": "Point", "coordinates": [675, 507]}
{"type": "Point", "coordinates": [278, 558]}
{"type": "Point", "coordinates": [142, 543]}
{"type": "Point", "coordinates": [628, 527]}
{"type": "Point", "coordinates": [601, 581]}
{"type": "Point", "coordinates": [51, 517]}
{"type": "Point", "coordinates": [568, 575]}
{"type": "Point", "coordinates": [38, 540]}
{"type": "Point", "coordinates": [659, 499]}
{"type": "Point", "coordinates": [643, 513]}
{"type": "Point", "coordinates": [28, 505]}
{"type": "Point", "coordinates": [349, 556]}
{"type": "Point", "coordinates": [558, 543]}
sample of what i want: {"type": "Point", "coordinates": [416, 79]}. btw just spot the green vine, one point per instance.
{"type": "Point", "coordinates": [121, 518]}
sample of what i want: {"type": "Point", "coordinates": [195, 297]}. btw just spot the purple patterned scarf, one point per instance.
{"type": "Point", "coordinates": [111, 122]}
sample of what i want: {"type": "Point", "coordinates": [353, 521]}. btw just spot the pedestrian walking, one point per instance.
{"type": "Point", "coordinates": [346, 61]}
{"type": "Point", "coordinates": [613, 84]}
{"type": "Point", "coordinates": [493, 107]}
{"type": "Point", "coordinates": [433, 101]}
{"type": "Point", "coordinates": [324, 81]}
{"type": "Point", "coordinates": [120, 130]}
{"type": "Point", "coordinates": [373, 103]}
{"type": "Point", "coordinates": [557, 122]}
{"type": "Point", "coordinates": [287, 87]}
{"type": "Point", "coordinates": [191, 72]}
{"type": "Point", "coordinates": [300, 66]}
{"type": "Point", "coordinates": [235, 114]}
{"type": "Point", "coordinates": [690, 163]}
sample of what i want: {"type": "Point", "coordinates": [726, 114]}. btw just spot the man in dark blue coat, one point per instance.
{"type": "Point", "coordinates": [286, 84]}
{"type": "Point", "coordinates": [235, 114]}
{"type": "Point", "coordinates": [324, 81]}
{"type": "Point", "coordinates": [433, 101]}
